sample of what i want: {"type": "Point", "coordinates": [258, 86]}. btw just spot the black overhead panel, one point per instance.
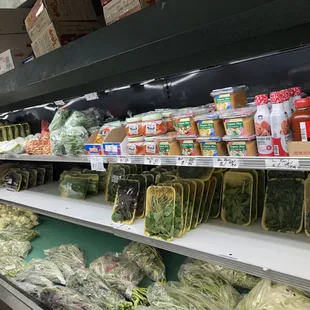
{"type": "Point", "coordinates": [167, 38]}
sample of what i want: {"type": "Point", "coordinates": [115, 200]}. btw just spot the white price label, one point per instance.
{"type": "Point", "coordinates": [124, 160]}
{"type": "Point", "coordinates": [59, 102]}
{"type": "Point", "coordinates": [91, 96]}
{"type": "Point", "coordinates": [186, 161]}
{"type": "Point", "coordinates": [282, 163]}
{"type": "Point", "coordinates": [96, 163]}
{"type": "Point", "coordinates": [225, 162]}
{"type": "Point", "coordinates": [152, 160]}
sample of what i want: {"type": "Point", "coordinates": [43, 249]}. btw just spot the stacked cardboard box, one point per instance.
{"type": "Point", "coordinates": [54, 23]}
{"type": "Point", "coordinates": [15, 44]}
{"type": "Point", "coordinates": [115, 10]}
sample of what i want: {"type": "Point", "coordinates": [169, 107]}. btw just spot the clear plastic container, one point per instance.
{"type": "Point", "coordinates": [189, 146]}
{"type": "Point", "coordinates": [168, 144]}
{"type": "Point", "coordinates": [213, 147]}
{"type": "Point", "coordinates": [241, 146]}
{"type": "Point", "coordinates": [167, 115]}
{"type": "Point", "coordinates": [134, 126]}
{"type": "Point", "coordinates": [198, 200]}
{"type": "Point", "coordinates": [210, 125]}
{"type": "Point", "coordinates": [135, 146]}
{"type": "Point", "coordinates": [216, 201]}
{"type": "Point", "coordinates": [230, 97]}
{"type": "Point", "coordinates": [150, 146]}
{"type": "Point", "coordinates": [153, 125]}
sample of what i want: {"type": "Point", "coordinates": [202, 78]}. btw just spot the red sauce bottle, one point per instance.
{"type": "Point", "coordinates": [300, 120]}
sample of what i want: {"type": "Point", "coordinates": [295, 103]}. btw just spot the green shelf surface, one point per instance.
{"type": "Point", "coordinates": [95, 243]}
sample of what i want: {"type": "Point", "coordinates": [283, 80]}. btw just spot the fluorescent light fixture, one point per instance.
{"type": "Point", "coordinates": [117, 88]}
{"type": "Point", "coordinates": [147, 82]}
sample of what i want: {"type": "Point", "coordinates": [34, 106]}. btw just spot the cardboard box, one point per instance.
{"type": "Point", "coordinates": [298, 149]}
{"type": "Point", "coordinates": [60, 33]}
{"type": "Point", "coordinates": [60, 10]}
{"type": "Point", "coordinates": [91, 147]}
{"type": "Point", "coordinates": [9, 61]}
{"type": "Point", "coordinates": [114, 10]}
{"type": "Point", "coordinates": [13, 20]}
{"type": "Point", "coordinates": [115, 143]}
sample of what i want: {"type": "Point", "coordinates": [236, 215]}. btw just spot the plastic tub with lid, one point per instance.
{"type": "Point", "coordinates": [168, 144]}
{"type": "Point", "coordinates": [189, 146]}
{"type": "Point", "coordinates": [241, 146]}
{"type": "Point", "coordinates": [135, 146]}
{"type": "Point", "coordinates": [300, 120]}
{"type": "Point", "coordinates": [210, 125]}
{"type": "Point", "coordinates": [214, 147]}
{"type": "Point", "coordinates": [153, 124]}
{"type": "Point", "coordinates": [229, 97]}
{"type": "Point", "coordinates": [134, 126]}
{"type": "Point", "coordinates": [150, 146]}
{"type": "Point", "coordinates": [239, 122]}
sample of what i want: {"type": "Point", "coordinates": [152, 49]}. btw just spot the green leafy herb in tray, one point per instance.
{"type": "Point", "coordinates": [115, 173]}
{"type": "Point", "coordinates": [204, 209]}
{"type": "Point", "coordinates": [199, 193]}
{"type": "Point", "coordinates": [216, 201]}
{"type": "Point", "coordinates": [195, 173]}
{"type": "Point", "coordinates": [73, 187]}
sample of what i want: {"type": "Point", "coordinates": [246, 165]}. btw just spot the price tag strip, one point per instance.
{"type": "Point", "coordinates": [282, 163]}
{"type": "Point", "coordinates": [186, 161]}
{"type": "Point", "coordinates": [96, 163]}
{"type": "Point", "coordinates": [219, 162]}
{"type": "Point", "coordinates": [124, 159]}
{"type": "Point", "coordinates": [152, 160]}
{"type": "Point", "coordinates": [91, 96]}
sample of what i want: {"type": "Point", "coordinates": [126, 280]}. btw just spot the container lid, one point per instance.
{"type": "Point", "coordinates": [136, 139]}
{"type": "Point", "coordinates": [188, 137]}
{"type": "Point", "coordinates": [152, 117]}
{"type": "Point", "coordinates": [149, 139]}
{"type": "Point", "coordinates": [276, 97]}
{"type": "Point", "coordinates": [239, 138]}
{"type": "Point", "coordinates": [209, 139]}
{"type": "Point", "coordinates": [261, 99]}
{"type": "Point", "coordinates": [285, 94]}
{"type": "Point", "coordinates": [236, 113]}
{"type": "Point", "coordinates": [228, 90]}
{"type": "Point", "coordinates": [134, 119]}
{"type": "Point", "coordinates": [295, 91]}
{"type": "Point", "coordinates": [302, 103]}
{"type": "Point", "coordinates": [208, 116]}
{"type": "Point", "coordinates": [168, 137]}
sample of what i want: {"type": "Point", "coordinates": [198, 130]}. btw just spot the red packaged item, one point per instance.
{"type": "Point", "coordinates": [300, 120]}
{"type": "Point", "coordinates": [45, 132]}
{"type": "Point", "coordinates": [280, 129]}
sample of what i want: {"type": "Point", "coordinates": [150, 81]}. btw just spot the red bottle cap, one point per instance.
{"type": "Point", "coordinates": [261, 99]}
{"type": "Point", "coordinates": [276, 97]}
{"type": "Point", "coordinates": [295, 91]}
{"type": "Point", "coordinates": [285, 94]}
{"type": "Point", "coordinates": [302, 103]}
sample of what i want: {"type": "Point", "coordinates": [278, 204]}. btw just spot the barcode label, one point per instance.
{"type": "Point", "coordinates": [276, 150]}
{"type": "Point", "coordinates": [8, 63]}
{"type": "Point", "coordinates": [303, 131]}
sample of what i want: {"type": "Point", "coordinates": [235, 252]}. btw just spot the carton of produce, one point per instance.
{"type": "Point", "coordinates": [93, 148]}
{"type": "Point", "coordinates": [115, 142]}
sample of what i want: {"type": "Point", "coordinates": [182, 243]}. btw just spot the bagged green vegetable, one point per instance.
{"type": "Point", "coordinates": [59, 119]}
{"type": "Point", "coordinates": [57, 146]}
{"type": "Point", "coordinates": [73, 139]}
{"type": "Point", "coordinates": [15, 248]}
{"type": "Point", "coordinates": [102, 183]}
{"type": "Point", "coordinates": [29, 287]}
{"type": "Point", "coordinates": [17, 233]}
{"type": "Point", "coordinates": [88, 283]}
{"type": "Point", "coordinates": [198, 200]}
{"type": "Point", "coordinates": [13, 181]}
{"type": "Point", "coordinates": [234, 277]}
{"type": "Point", "coordinates": [64, 298]}
{"type": "Point", "coordinates": [261, 192]}
{"type": "Point", "coordinates": [11, 265]}
{"type": "Point", "coordinates": [216, 201]}
{"type": "Point", "coordinates": [204, 208]}
{"type": "Point", "coordinates": [211, 284]}
{"type": "Point", "coordinates": [125, 204]}
{"type": "Point", "coordinates": [115, 173]}
{"type": "Point", "coordinates": [121, 274]}
{"type": "Point", "coordinates": [273, 296]}
{"type": "Point", "coordinates": [74, 187]}
{"type": "Point", "coordinates": [18, 218]}
{"type": "Point", "coordinates": [148, 259]}
{"type": "Point", "coordinates": [86, 119]}
{"type": "Point", "coordinates": [33, 176]}
{"type": "Point", "coordinates": [209, 200]}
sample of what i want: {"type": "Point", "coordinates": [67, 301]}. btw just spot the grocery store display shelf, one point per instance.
{"type": "Point", "coordinates": [277, 256]}
{"type": "Point", "coordinates": [46, 158]}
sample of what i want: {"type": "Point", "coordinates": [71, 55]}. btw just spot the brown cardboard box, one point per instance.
{"type": "Point", "coordinates": [8, 61]}
{"type": "Point", "coordinates": [13, 20]}
{"type": "Point", "coordinates": [115, 142]}
{"type": "Point", "coordinates": [60, 10]}
{"type": "Point", "coordinates": [298, 149]}
{"type": "Point", "coordinates": [114, 10]}
{"type": "Point", "coordinates": [60, 33]}
{"type": "Point", "coordinates": [19, 44]}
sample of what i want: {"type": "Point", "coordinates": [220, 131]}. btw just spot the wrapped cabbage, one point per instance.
{"type": "Point", "coordinates": [57, 146]}
{"type": "Point", "coordinates": [11, 265]}
{"type": "Point", "coordinates": [234, 277]}
{"type": "Point", "coordinates": [15, 248]}
{"type": "Point", "coordinates": [45, 268]}
{"type": "Point", "coordinates": [88, 283]}
{"type": "Point", "coordinates": [148, 260]}
{"type": "Point", "coordinates": [175, 296]}
{"type": "Point", "coordinates": [272, 296]}
{"type": "Point", "coordinates": [73, 139]}
{"type": "Point", "coordinates": [13, 147]}
{"type": "Point", "coordinates": [18, 234]}
{"type": "Point", "coordinates": [64, 298]}
{"type": "Point", "coordinates": [210, 284]}
{"type": "Point", "coordinates": [86, 119]}
{"type": "Point", "coordinates": [59, 119]}
{"type": "Point", "coordinates": [120, 274]}
{"type": "Point", "coordinates": [29, 288]}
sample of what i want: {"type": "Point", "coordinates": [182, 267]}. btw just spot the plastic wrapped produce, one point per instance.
{"type": "Point", "coordinates": [19, 219]}
{"type": "Point", "coordinates": [195, 173]}
{"type": "Point", "coordinates": [18, 234]}
{"type": "Point", "coordinates": [47, 269]}
{"type": "Point", "coordinates": [13, 181]}
{"type": "Point", "coordinates": [120, 274]}
{"type": "Point", "coordinates": [198, 200]}
{"type": "Point", "coordinates": [148, 260]}
{"type": "Point", "coordinates": [115, 173]}
{"type": "Point", "coordinates": [64, 298]}
{"type": "Point", "coordinates": [205, 207]}
{"type": "Point", "coordinates": [284, 205]}
{"type": "Point", "coordinates": [272, 296]}
{"type": "Point", "coordinates": [73, 139]}
{"type": "Point", "coordinates": [126, 199]}
{"type": "Point", "coordinates": [59, 119]}
{"type": "Point", "coordinates": [57, 147]}
{"type": "Point", "coordinates": [217, 189]}
{"type": "Point", "coordinates": [74, 187]}
{"type": "Point", "coordinates": [86, 119]}
{"type": "Point", "coordinates": [160, 212]}
{"type": "Point", "coordinates": [237, 198]}
{"type": "Point", "coordinates": [234, 277]}
{"type": "Point", "coordinates": [88, 283]}
{"type": "Point", "coordinates": [31, 289]}
{"type": "Point", "coordinates": [11, 265]}
{"type": "Point", "coordinates": [15, 248]}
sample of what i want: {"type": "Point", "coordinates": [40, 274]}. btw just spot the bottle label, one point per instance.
{"type": "Point", "coordinates": [237, 149]}
{"type": "Point", "coordinates": [150, 128]}
{"type": "Point", "coordinates": [206, 128]}
{"type": "Point", "coordinates": [222, 102]}
{"type": "Point", "coordinates": [164, 148]}
{"type": "Point", "coordinates": [133, 129]}
{"type": "Point", "coordinates": [209, 149]}
{"type": "Point", "coordinates": [263, 137]}
{"type": "Point", "coordinates": [305, 131]}
{"type": "Point", "coordinates": [234, 127]}
{"type": "Point", "coordinates": [150, 147]}
{"type": "Point", "coordinates": [187, 148]}
{"type": "Point", "coordinates": [184, 126]}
